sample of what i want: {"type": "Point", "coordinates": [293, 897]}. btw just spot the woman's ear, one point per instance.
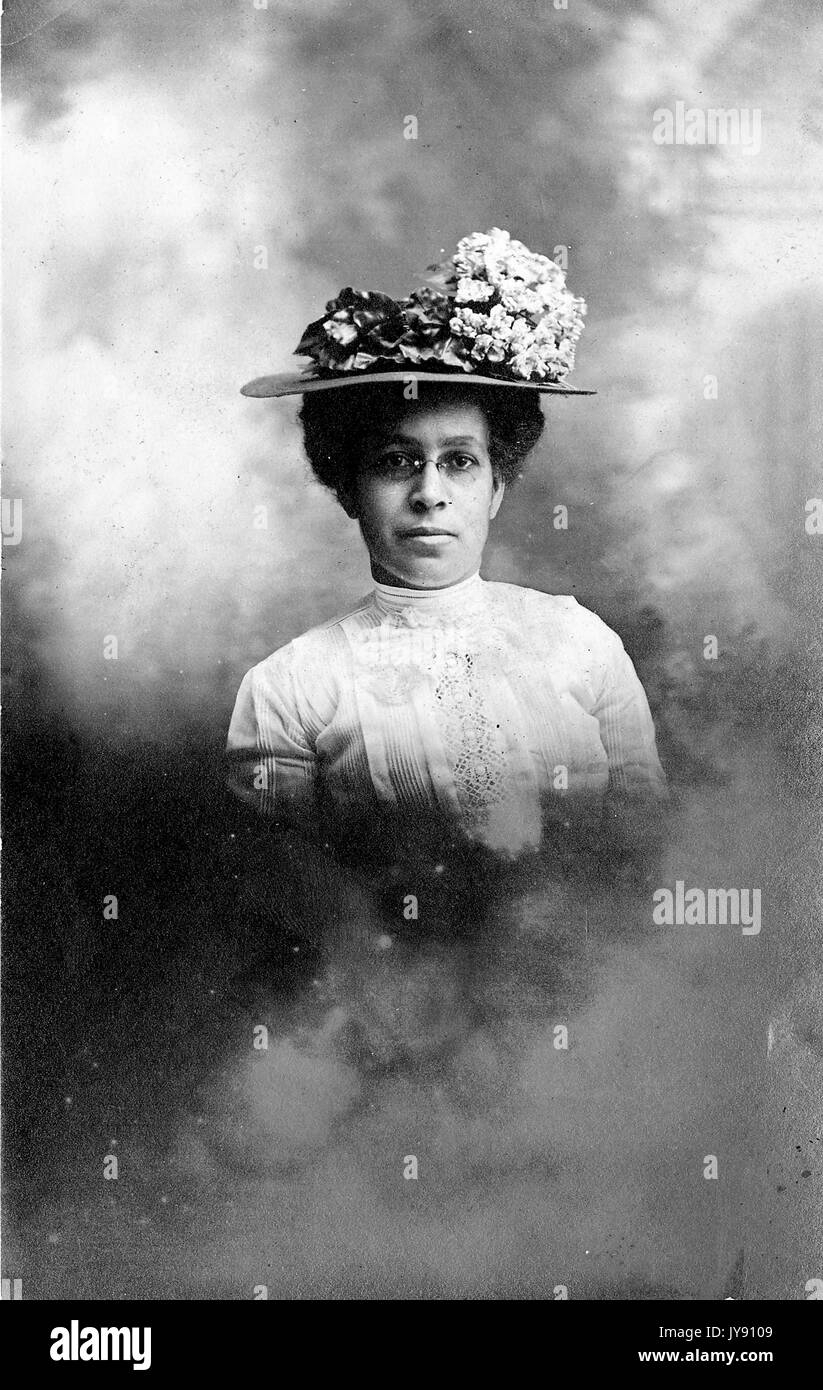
{"type": "Point", "coordinates": [498, 489]}
{"type": "Point", "coordinates": [348, 503]}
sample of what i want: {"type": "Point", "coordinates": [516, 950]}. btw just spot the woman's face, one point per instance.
{"type": "Point", "coordinates": [425, 494]}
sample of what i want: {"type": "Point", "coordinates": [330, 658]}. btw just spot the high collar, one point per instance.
{"type": "Point", "coordinates": [427, 605]}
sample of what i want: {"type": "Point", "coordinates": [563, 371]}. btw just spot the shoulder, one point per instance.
{"type": "Point", "coordinates": [310, 656]}
{"type": "Point", "coordinates": [559, 615]}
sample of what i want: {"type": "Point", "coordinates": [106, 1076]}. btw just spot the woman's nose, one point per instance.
{"type": "Point", "coordinates": [428, 487]}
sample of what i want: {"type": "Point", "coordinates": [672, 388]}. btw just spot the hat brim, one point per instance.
{"type": "Point", "coordinates": [295, 384]}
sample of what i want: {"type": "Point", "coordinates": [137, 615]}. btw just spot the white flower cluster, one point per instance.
{"type": "Point", "coordinates": [512, 307]}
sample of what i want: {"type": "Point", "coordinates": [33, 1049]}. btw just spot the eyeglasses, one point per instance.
{"type": "Point", "coordinates": [401, 465]}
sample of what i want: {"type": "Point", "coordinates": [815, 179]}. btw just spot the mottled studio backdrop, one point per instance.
{"type": "Point", "coordinates": [186, 185]}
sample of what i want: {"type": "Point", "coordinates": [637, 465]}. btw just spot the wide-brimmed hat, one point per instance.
{"type": "Point", "coordinates": [495, 314]}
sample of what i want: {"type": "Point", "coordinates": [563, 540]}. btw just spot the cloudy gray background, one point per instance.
{"type": "Point", "coordinates": [151, 151]}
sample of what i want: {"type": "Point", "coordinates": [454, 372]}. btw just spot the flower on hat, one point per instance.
{"type": "Point", "coordinates": [495, 304]}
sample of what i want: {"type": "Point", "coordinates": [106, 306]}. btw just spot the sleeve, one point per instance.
{"type": "Point", "coordinates": [627, 729]}
{"type": "Point", "coordinates": [271, 760]}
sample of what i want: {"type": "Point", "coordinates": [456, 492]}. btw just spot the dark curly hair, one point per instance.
{"type": "Point", "coordinates": [337, 423]}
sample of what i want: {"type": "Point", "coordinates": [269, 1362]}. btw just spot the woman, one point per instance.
{"type": "Point", "coordinates": [461, 717]}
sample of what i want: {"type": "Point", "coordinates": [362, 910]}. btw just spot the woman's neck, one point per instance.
{"type": "Point", "coordinates": [391, 581]}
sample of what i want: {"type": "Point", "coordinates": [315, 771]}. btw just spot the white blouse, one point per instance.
{"type": "Point", "coordinates": [498, 705]}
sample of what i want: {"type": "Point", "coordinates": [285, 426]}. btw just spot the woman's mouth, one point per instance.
{"type": "Point", "coordinates": [426, 533]}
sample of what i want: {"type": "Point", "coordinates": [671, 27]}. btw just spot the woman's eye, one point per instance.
{"type": "Point", "coordinates": [463, 461]}
{"type": "Point", "coordinates": [395, 460]}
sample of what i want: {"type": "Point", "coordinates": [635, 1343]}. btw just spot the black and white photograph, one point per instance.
{"type": "Point", "coordinates": [412, 521]}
